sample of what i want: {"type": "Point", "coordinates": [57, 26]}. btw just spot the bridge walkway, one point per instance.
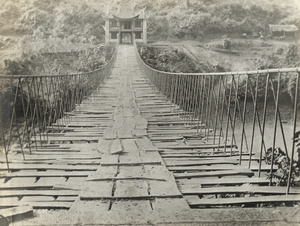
{"type": "Point", "coordinates": [127, 157]}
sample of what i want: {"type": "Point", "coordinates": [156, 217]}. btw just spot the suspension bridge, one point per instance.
{"type": "Point", "coordinates": [128, 144]}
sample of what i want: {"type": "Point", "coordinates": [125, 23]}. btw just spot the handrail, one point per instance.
{"type": "Point", "coordinates": [235, 109]}
{"type": "Point", "coordinates": [32, 106]}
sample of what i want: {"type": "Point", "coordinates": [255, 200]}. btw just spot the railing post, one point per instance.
{"type": "Point", "coordinates": [204, 103]}
{"type": "Point", "coordinates": [275, 126]}
{"type": "Point", "coordinates": [264, 124]}
{"type": "Point", "coordinates": [4, 144]}
{"type": "Point", "coordinates": [217, 109]}
{"type": "Point", "coordinates": [243, 120]}
{"type": "Point", "coordinates": [254, 118]}
{"type": "Point", "coordinates": [294, 132]}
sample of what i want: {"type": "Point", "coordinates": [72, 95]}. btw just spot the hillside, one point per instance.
{"type": "Point", "coordinates": [29, 28]}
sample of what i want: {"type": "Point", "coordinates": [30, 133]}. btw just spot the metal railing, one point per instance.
{"type": "Point", "coordinates": [31, 106]}
{"type": "Point", "coordinates": [241, 113]}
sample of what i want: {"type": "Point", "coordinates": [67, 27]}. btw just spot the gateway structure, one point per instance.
{"type": "Point", "coordinates": [125, 27]}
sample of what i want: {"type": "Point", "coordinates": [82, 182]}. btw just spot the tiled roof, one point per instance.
{"type": "Point", "coordinates": [125, 13]}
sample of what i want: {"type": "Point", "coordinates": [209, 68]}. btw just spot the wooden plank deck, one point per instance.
{"type": "Point", "coordinates": [127, 150]}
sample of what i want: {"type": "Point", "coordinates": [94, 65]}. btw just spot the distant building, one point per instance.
{"type": "Point", "coordinates": [125, 27]}
{"type": "Point", "coordinates": [283, 30]}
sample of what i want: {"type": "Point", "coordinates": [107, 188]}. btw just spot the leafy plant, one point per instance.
{"type": "Point", "coordinates": [283, 163]}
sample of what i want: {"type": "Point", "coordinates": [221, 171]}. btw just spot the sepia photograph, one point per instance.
{"type": "Point", "coordinates": [150, 112]}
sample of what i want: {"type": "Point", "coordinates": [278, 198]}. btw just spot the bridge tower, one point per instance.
{"type": "Point", "coordinates": [125, 26]}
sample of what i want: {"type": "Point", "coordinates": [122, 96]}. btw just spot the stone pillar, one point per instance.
{"type": "Point", "coordinates": [145, 31]}
{"type": "Point", "coordinates": [119, 38]}
{"type": "Point", "coordinates": [107, 33]}
{"type": "Point", "coordinates": [133, 38]}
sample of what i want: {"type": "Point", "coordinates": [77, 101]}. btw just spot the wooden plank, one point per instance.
{"type": "Point", "coordinates": [155, 111]}
{"type": "Point", "coordinates": [128, 208]}
{"type": "Point", "coordinates": [158, 188]}
{"type": "Point", "coordinates": [85, 153]}
{"type": "Point", "coordinates": [166, 206]}
{"type": "Point", "coordinates": [130, 157]}
{"type": "Point", "coordinates": [74, 138]}
{"type": "Point", "coordinates": [158, 171]}
{"type": "Point", "coordinates": [78, 180]}
{"type": "Point", "coordinates": [167, 122]}
{"type": "Point", "coordinates": [51, 180]}
{"type": "Point", "coordinates": [109, 159]}
{"type": "Point", "coordinates": [200, 182]}
{"type": "Point", "coordinates": [150, 156]}
{"type": "Point", "coordinates": [166, 128]}
{"type": "Point", "coordinates": [131, 163]}
{"type": "Point", "coordinates": [83, 162]}
{"type": "Point", "coordinates": [103, 146]}
{"type": "Point", "coordinates": [96, 190]}
{"type": "Point", "coordinates": [137, 133]}
{"type": "Point", "coordinates": [167, 188]}
{"type": "Point", "coordinates": [84, 147]}
{"type": "Point", "coordinates": [130, 171]}
{"type": "Point", "coordinates": [16, 193]}
{"type": "Point", "coordinates": [127, 178]}
{"type": "Point", "coordinates": [18, 182]}
{"type": "Point", "coordinates": [196, 147]}
{"type": "Point", "coordinates": [93, 116]}
{"type": "Point", "coordinates": [37, 199]}
{"type": "Point", "coordinates": [245, 189]}
{"type": "Point", "coordinates": [110, 134]}
{"type": "Point", "coordinates": [131, 189]}
{"type": "Point", "coordinates": [87, 125]}
{"type": "Point", "coordinates": [141, 123]}
{"type": "Point", "coordinates": [116, 147]}
{"type": "Point", "coordinates": [66, 157]}
{"type": "Point", "coordinates": [196, 155]}
{"type": "Point", "coordinates": [50, 205]}
{"type": "Point", "coordinates": [167, 138]}
{"type": "Point", "coordinates": [85, 134]}
{"type": "Point", "coordinates": [200, 162]}
{"type": "Point", "coordinates": [48, 150]}
{"type": "Point", "coordinates": [215, 168]}
{"type": "Point", "coordinates": [25, 186]}
{"type": "Point", "coordinates": [145, 144]}
{"type": "Point", "coordinates": [89, 208]}
{"type": "Point", "coordinates": [125, 131]}
{"type": "Point", "coordinates": [174, 132]}
{"type": "Point", "coordinates": [99, 112]}
{"type": "Point", "coordinates": [103, 172]}
{"type": "Point", "coordinates": [170, 144]}
{"type": "Point", "coordinates": [73, 183]}
{"type": "Point", "coordinates": [20, 166]}
{"type": "Point", "coordinates": [8, 202]}
{"type": "Point", "coordinates": [215, 173]}
{"type": "Point", "coordinates": [17, 213]}
{"type": "Point", "coordinates": [66, 198]}
{"type": "Point", "coordinates": [45, 174]}
{"type": "Point", "coordinates": [129, 145]}
{"type": "Point", "coordinates": [203, 168]}
{"type": "Point", "coordinates": [240, 201]}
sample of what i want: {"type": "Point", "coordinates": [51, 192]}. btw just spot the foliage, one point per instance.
{"type": "Point", "coordinates": [283, 164]}
{"type": "Point", "coordinates": [226, 43]}
{"type": "Point", "coordinates": [158, 27]}
{"type": "Point", "coordinates": [170, 60]}
{"type": "Point", "coordinates": [197, 18]}
{"type": "Point", "coordinates": [78, 21]}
